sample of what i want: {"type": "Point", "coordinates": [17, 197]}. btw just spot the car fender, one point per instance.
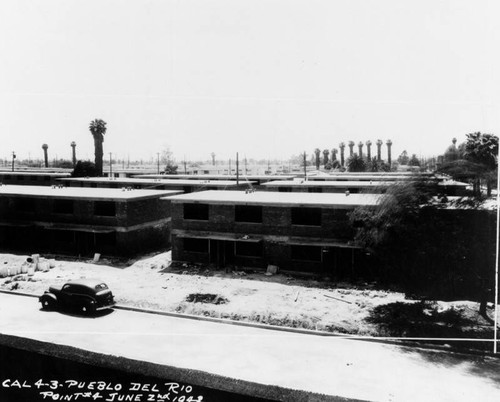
{"type": "Point", "coordinates": [85, 299]}
{"type": "Point", "coordinates": [49, 295]}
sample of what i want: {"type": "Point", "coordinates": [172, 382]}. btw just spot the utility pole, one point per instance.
{"type": "Point", "coordinates": [305, 170]}
{"type": "Point", "coordinates": [110, 166]}
{"type": "Point", "coordinates": [13, 157]}
{"type": "Point", "coordinates": [185, 168]}
{"type": "Point", "coordinates": [237, 170]}
{"type": "Point", "coordinates": [158, 162]}
{"type": "Point", "coordinates": [495, 321]}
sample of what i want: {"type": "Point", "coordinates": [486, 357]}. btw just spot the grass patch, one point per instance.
{"type": "Point", "coordinates": [423, 319]}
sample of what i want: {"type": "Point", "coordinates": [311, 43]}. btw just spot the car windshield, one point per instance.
{"type": "Point", "coordinates": [101, 286]}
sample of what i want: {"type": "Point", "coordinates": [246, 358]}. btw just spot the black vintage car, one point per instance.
{"type": "Point", "coordinates": [84, 295]}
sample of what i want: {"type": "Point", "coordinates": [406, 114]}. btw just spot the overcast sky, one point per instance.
{"type": "Point", "coordinates": [265, 78]}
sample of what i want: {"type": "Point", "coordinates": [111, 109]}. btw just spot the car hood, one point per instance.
{"type": "Point", "coordinates": [104, 292]}
{"type": "Point", "coordinates": [55, 288]}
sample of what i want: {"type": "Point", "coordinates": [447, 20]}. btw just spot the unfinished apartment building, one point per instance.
{"type": "Point", "coordinates": [298, 232]}
{"type": "Point", "coordinates": [83, 221]}
{"type": "Point", "coordinates": [186, 186]}
{"type": "Point", "coordinates": [31, 178]}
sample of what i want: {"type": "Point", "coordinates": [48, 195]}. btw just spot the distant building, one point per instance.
{"type": "Point", "coordinates": [441, 186]}
{"type": "Point", "coordinates": [31, 178]}
{"type": "Point", "coordinates": [307, 233]}
{"type": "Point", "coordinates": [255, 179]}
{"type": "Point", "coordinates": [130, 172]}
{"type": "Point", "coordinates": [83, 221]}
{"type": "Point", "coordinates": [186, 186]}
{"type": "Point", "coordinates": [230, 169]}
{"type": "Point", "coordinates": [366, 176]}
{"type": "Point", "coordinates": [330, 186]}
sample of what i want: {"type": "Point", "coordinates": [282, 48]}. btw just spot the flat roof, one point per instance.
{"type": "Point", "coordinates": [348, 183]}
{"type": "Point", "coordinates": [348, 176]}
{"type": "Point", "coordinates": [453, 183]}
{"type": "Point", "coordinates": [403, 173]}
{"type": "Point", "coordinates": [328, 200]}
{"type": "Point", "coordinates": [137, 170]}
{"type": "Point", "coordinates": [167, 182]}
{"type": "Point", "coordinates": [37, 173]}
{"type": "Point", "coordinates": [109, 194]}
{"type": "Point", "coordinates": [216, 176]}
{"type": "Point", "coordinates": [329, 183]}
{"type": "Point", "coordinates": [36, 169]}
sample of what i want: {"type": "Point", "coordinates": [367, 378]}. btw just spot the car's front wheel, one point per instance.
{"type": "Point", "coordinates": [48, 303]}
{"type": "Point", "coordinates": [88, 308]}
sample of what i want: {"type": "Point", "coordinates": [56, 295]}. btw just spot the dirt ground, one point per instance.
{"type": "Point", "coordinates": [154, 282]}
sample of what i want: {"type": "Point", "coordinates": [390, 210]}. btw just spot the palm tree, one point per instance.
{"type": "Point", "coordinates": [317, 153]}
{"type": "Point", "coordinates": [326, 152]}
{"type": "Point", "coordinates": [379, 150]}
{"type": "Point", "coordinates": [73, 145]}
{"type": "Point", "coordinates": [369, 150]}
{"type": "Point", "coordinates": [45, 155]}
{"type": "Point", "coordinates": [342, 150]}
{"type": "Point", "coordinates": [389, 145]}
{"type": "Point", "coordinates": [334, 154]}
{"type": "Point", "coordinates": [351, 147]}
{"type": "Point", "coordinates": [360, 148]}
{"type": "Point", "coordinates": [355, 163]}
{"type": "Point", "coordinates": [98, 129]}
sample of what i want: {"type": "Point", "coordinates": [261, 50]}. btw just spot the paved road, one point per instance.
{"type": "Point", "coordinates": [329, 365]}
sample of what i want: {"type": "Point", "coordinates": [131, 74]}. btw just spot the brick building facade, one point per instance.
{"type": "Point", "coordinates": [83, 221]}
{"type": "Point", "coordinates": [298, 232]}
{"type": "Point", "coordinates": [26, 178]}
{"type": "Point", "coordinates": [186, 186]}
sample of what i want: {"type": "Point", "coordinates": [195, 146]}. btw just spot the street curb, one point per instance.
{"type": "Point", "coordinates": [403, 343]}
{"type": "Point", "coordinates": [228, 321]}
{"type": "Point", "coordinates": [12, 292]}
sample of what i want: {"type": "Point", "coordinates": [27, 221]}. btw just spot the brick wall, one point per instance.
{"type": "Point", "coordinates": [68, 241]}
{"type": "Point", "coordinates": [128, 213]}
{"type": "Point", "coordinates": [276, 229]}
{"type": "Point", "coordinates": [275, 221]}
{"type": "Point", "coordinates": [136, 212]}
